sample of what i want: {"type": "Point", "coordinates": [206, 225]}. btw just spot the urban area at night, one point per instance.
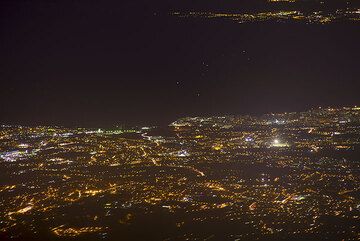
{"type": "Point", "coordinates": [180, 120]}
{"type": "Point", "coordinates": [277, 176]}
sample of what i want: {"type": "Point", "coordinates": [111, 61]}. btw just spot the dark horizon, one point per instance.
{"type": "Point", "coordinates": [134, 63]}
{"type": "Point", "coordinates": [156, 123]}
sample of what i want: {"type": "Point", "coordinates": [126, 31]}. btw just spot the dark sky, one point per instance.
{"type": "Point", "coordinates": [91, 63]}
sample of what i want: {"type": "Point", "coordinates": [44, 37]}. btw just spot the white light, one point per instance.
{"type": "Point", "coordinates": [276, 141]}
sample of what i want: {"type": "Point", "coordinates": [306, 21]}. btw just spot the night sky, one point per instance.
{"type": "Point", "coordinates": [91, 63]}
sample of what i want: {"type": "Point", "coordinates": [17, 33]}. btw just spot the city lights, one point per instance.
{"type": "Point", "coordinates": [91, 183]}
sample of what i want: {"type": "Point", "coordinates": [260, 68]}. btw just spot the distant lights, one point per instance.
{"type": "Point", "coordinates": [217, 147]}
{"type": "Point", "coordinates": [183, 153]}
{"type": "Point", "coordinates": [279, 122]}
{"type": "Point", "coordinates": [23, 145]}
{"type": "Point", "coordinates": [277, 143]}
